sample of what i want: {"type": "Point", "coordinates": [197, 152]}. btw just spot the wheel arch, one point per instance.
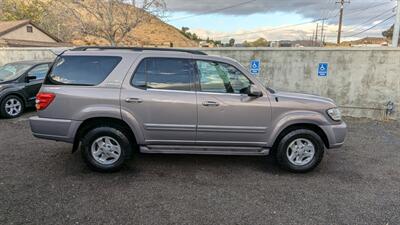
{"type": "Point", "coordinates": [93, 122]}
{"type": "Point", "coordinates": [297, 126]}
{"type": "Point", "coordinates": [19, 95]}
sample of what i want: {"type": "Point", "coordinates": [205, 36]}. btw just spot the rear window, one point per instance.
{"type": "Point", "coordinates": [82, 70]}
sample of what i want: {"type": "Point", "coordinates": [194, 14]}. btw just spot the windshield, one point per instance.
{"type": "Point", "coordinates": [12, 71]}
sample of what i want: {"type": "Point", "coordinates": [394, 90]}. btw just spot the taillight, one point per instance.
{"type": "Point", "coordinates": [43, 100]}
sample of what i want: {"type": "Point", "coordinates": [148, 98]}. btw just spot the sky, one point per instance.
{"type": "Point", "coordinates": [279, 19]}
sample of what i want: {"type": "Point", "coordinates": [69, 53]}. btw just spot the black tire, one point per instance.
{"type": "Point", "coordinates": [3, 111]}
{"type": "Point", "coordinates": [282, 149]}
{"type": "Point", "coordinates": [116, 133]}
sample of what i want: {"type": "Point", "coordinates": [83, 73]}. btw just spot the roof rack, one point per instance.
{"type": "Point", "coordinates": [84, 48]}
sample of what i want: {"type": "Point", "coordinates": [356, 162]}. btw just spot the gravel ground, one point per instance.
{"type": "Point", "coordinates": [41, 182]}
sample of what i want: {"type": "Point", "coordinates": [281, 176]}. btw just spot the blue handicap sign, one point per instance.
{"type": "Point", "coordinates": [323, 69]}
{"type": "Point", "coordinates": [255, 67]}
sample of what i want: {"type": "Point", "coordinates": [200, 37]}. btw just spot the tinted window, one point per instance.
{"type": "Point", "coordinates": [221, 78]}
{"type": "Point", "coordinates": [12, 71]}
{"type": "Point", "coordinates": [82, 70]}
{"type": "Point", "coordinates": [164, 73]}
{"type": "Point", "coordinates": [139, 79]}
{"type": "Point", "coordinates": [39, 71]}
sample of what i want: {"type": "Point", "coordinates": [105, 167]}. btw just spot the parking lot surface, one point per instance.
{"type": "Point", "coordinates": [41, 182]}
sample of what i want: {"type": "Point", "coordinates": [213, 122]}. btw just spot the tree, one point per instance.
{"type": "Point", "coordinates": [185, 29]}
{"type": "Point", "coordinates": [218, 43]}
{"type": "Point", "coordinates": [231, 42]}
{"type": "Point", "coordinates": [388, 33]}
{"type": "Point", "coordinates": [261, 42]}
{"type": "Point", "coordinates": [19, 10]}
{"type": "Point", "coordinates": [112, 20]}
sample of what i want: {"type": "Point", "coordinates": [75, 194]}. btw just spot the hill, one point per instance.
{"type": "Point", "coordinates": [367, 41]}
{"type": "Point", "coordinates": [56, 17]}
{"type": "Point", "coordinates": [154, 33]}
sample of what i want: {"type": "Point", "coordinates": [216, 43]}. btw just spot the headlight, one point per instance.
{"type": "Point", "coordinates": [334, 114]}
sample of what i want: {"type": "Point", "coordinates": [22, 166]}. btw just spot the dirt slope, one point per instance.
{"type": "Point", "coordinates": [155, 33]}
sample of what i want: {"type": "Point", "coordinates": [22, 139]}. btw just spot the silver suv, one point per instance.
{"type": "Point", "coordinates": [112, 101]}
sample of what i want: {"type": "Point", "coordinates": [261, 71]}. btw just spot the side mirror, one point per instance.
{"type": "Point", "coordinates": [254, 91]}
{"type": "Point", "coordinates": [30, 77]}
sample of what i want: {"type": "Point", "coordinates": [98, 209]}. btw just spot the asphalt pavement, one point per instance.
{"type": "Point", "coordinates": [41, 182]}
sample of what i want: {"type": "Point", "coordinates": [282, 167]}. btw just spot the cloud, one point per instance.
{"type": "Point", "coordinates": [303, 32]}
{"type": "Point", "coordinates": [377, 22]}
{"type": "Point", "coordinates": [356, 11]}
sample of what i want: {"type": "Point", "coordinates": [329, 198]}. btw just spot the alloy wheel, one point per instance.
{"type": "Point", "coordinates": [106, 150]}
{"type": "Point", "coordinates": [300, 151]}
{"type": "Point", "coordinates": [13, 107]}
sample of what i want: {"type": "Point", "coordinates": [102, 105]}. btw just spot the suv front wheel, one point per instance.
{"type": "Point", "coordinates": [300, 151]}
{"type": "Point", "coordinates": [105, 149]}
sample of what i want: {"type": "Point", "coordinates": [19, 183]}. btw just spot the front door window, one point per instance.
{"type": "Point", "coordinates": [219, 77]}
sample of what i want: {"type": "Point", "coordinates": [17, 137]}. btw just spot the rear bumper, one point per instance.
{"type": "Point", "coordinates": [54, 129]}
{"type": "Point", "coordinates": [336, 134]}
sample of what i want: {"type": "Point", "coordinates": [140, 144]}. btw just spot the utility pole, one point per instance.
{"type": "Point", "coordinates": [341, 2]}
{"type": "Point", "coordinates": [312, 39]}
{"type": "Point", "coordinates": [316, 35]}
{"type": "Point", "coordinates": [396, 30]}
{"type": "Point", "coordinates": [322, 32]}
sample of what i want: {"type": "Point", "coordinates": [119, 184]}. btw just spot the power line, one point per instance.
{"type": "Point", "coordinates": [372, 27]}
{"type": "Point", "coordinates": [360, 25]}
{"type": "Point", "coordinates": [328, 10]}
{"type": "Point", "coordinates": [213, 11]}
{"type": "Point", "coordinates": [273, 29]}
{"type": "Point", "coordinates": [370, 7]}
{"type": "Point", "coordinates": [362, 10]}
{"type": "Point", "coordinates": [327, 18]}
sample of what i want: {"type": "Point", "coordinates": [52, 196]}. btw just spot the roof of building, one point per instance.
{"type": "Point", "coordinates": [25, 43]}
{"type": "Point", "coordinates": [8, 26]}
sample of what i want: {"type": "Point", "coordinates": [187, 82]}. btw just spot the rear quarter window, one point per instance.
{"type": "Point", "coordinates": [81, 70]}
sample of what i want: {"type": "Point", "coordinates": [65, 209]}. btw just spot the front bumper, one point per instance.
{"type": "Point", "coordinates": [54, 129]}
{"type": "Point", "coordinates": [336, 134]}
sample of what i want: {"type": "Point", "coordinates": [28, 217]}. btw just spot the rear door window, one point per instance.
{"type": "Point", "coordinates": [82, 70]}
{"type": "Point", "coordinates": [164, 73]}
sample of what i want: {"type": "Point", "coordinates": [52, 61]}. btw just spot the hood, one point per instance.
{"type": "Point", "coordinates": [304, 97]}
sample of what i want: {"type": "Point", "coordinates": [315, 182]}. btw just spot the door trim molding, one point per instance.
{"type": "Point", "coordinates": [169, 127]}
{"type": "Point", "coordinates": [231, 129]}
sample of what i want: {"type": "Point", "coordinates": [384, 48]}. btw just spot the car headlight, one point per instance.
{"type": "Point", "coordinates": [334, 114]}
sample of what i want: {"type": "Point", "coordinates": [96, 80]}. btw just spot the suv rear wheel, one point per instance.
{"type": "Point", "coordinates": [300, 151]}
{"type": "Point", "coordinates": [12, 106]}
{"type": "Point", "coordinates": [105, 149]}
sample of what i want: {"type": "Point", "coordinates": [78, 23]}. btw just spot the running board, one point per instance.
{"type": "Point", "coordinates": [204, 150]}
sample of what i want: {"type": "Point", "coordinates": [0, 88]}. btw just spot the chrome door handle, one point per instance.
{"type": "Point", "coordinates": [210, 103]}
{"type": "Point", "coordinates": [133, 100]}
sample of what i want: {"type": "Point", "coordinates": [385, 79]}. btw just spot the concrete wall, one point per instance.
{"type": "Point", "coordinates": [19, 54]}
{"type": "Point", "coordinates": [361, 81]}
